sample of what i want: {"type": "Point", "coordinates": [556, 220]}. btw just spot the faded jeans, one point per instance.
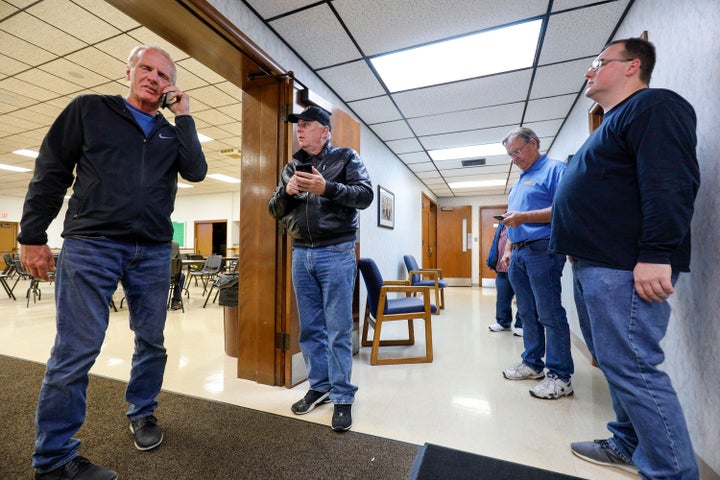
{"type": "Point", "coordinates": [88, 271]}
{"type": "Point", "coordinates": [623, 333]}
{"type": "Point", "coordinates": [324, 281]}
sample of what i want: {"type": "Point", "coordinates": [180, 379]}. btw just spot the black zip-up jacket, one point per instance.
{"type": "Point", "coordinates": [125, 183]}
{"type": "Point", "coordinates": [320, 220]}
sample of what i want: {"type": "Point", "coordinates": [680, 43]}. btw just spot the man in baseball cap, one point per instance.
{"type": "Point", "coordinates": [312, 113]}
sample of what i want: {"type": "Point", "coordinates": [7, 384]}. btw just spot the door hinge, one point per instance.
{"type": "Point", "coordinates": [282, 341]}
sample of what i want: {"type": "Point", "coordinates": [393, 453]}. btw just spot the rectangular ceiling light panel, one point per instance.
{"type": "Point", "coordinates": [492, 51]}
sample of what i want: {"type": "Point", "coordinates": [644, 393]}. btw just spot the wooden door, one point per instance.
{"type": "Point", "coordinates": [8, 240]}
{"type": "Point", "coordinates": [488, 227]}
{"type": "Point", "coordinates": [203, 238]}
{"type": "Point", "coordinates": [429, 233]}
{"type": "Point", "coordinates": [454, 244]}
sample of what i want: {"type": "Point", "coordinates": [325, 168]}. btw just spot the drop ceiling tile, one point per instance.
{"type": "Point", "coordinates": [422, 167]}
{"type": "Point", "coordinates": [277, 7]}
{"type": "Point", "coordinates": [415, 157]}
{"type": "Point", "coordinates": [559, 79]}
{"type": "Point", "coordinates": [317, 26]}
{"type": "Point", "coordinates": [467, 120]}
{"type": "Point", "coordinates": [450, 97]}
{"type": "Point", "coordinates": [97, 63]}
{"type": "Point", "coordinates": [108, 13]}
{"type": "Point", "coordinates": [375, 110]}
{"type": "Point", "coordinates": [392, 130]}
{"type": "Point", "coordinates": [577, 33]}
{"type": "Point", "coordinates": [200, 70]}
{"type": "Point", "coordinates": [41, 34]}
{"type": "Point", "coordinates": [404, 146]}
{"type": "Point", "coordinates": [549, 108]}
{"type": "Point", "coordinates": [119, 47]}
{"type": "Point", "coordinates": [364, 84]}
{"type": "Point", "coordinates": [143, 36]}
{"type": "Point", "coordinates": [75, 20]}
{"type": "Point", "coordinates": [405, 23]}
{"type": "Point", "coordinates": [14, 47]}
{"type": "Point", "coordinates": [11, 66]}
{"type": "Point", "coordinates": [213, 96]}
{"type": "Point", "coordinates": [461, 139]}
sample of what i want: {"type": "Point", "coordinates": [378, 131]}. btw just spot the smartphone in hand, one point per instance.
{"type": "Point", "coordinates": [304, 167]}
{"type": "Point", "coordinates": [499, 217]}
{"type": "Point", "coordinates": [164, 103]}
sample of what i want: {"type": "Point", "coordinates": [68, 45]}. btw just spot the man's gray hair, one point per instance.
{"type": "Point", "coordinates": [525, 133]}
{"type": "Point", "coordinates": [137, 51]}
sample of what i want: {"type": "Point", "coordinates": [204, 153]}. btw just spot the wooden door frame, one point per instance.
{"type": "Point", "coordinates": [429, 225]}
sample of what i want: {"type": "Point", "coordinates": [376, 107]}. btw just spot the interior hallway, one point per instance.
{"type": "Point", "coordinates": [460, 400]}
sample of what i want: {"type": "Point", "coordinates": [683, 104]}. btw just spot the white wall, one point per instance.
{"type": "Point", "coordinates": [686, 40]}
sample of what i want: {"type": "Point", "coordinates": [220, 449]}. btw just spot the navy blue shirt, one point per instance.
{"type": "Point", "coordinates": [628, 193]}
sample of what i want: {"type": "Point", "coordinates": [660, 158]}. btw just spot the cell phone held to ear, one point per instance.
{"type": "Point", "coordinates": [304, 167]}
{"type": "Point", "coordinates": [164, 103]}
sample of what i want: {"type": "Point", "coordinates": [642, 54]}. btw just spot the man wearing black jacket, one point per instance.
{"type": "Point", "coordinates": [317, 200]}
{"type": "Point", "coordinates": [124, 158]}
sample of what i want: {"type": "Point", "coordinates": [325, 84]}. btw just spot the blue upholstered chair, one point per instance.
{"type": "Point", "coordinates": [380, 309]}
{"type": "Point", "coordinates": [427, 277]}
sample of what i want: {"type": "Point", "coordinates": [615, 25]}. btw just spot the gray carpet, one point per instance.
{"type": "Point", "coordinates": [204, 440]}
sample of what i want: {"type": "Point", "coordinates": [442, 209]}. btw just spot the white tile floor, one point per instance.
{"type": "Point", "coordinates": [460, 400]}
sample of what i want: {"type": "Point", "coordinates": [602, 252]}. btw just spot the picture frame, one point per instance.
{"type": "Point", "coordinates": [386, 208]}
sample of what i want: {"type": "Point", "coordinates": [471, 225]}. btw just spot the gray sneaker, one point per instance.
{"type": "Point", "coordinates": [552, 388]}
{"type": "Point", "coordinates": [522, 372]}
{"type": "Point", "coordinates": [600, 452]}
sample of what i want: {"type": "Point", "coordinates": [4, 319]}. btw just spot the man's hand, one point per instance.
{"type": "Point", "coordinates": [504, 261]}
{"type": "Point", "coordinates": [653, 281]}
{"type": "Point", "coordinates": [306, 182]}
{"type": "Point", "coordinates": [38, 260]}
{"type": "Point", "coordinates": [513, 219]}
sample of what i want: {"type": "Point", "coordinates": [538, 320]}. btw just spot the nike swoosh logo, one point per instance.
{"type": "Point", "coordinates": [164, 138]}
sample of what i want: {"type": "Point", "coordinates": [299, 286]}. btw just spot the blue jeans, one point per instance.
{"type": "Point", "coordinates": [503, 301]}
{"type": "Point", "coordinates": [324, 281]}
{"type": "Point", "coordinates": [88, 271]}
{"type": "Point", "coordinates": [623, 333]}
{"type": "Point", "coordinates": [535, 277]}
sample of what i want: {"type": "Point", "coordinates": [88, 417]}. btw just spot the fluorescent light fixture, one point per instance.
{"type": "Point", "coordinates": [185, 185]}
{"type": "Point", "coordinates": [26, 153]}
{"type": "Point", "coordinates": [476, 55]}
{"type": "Point", "coordinates": [470, 151]}
{"type": "Point", "coordinates": [477, 184]}
{"type": "Point", "coordinates": [204, 138]}
{"type": "Point", "coordinates": [223, 178]}
{"type": "Point", "coordinates": [13, 168]}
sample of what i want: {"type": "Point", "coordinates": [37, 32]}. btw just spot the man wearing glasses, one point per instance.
{"type": "Point", "coordinates": [534, 272]}
{"type": "Point", "coordinates": [623, 214]}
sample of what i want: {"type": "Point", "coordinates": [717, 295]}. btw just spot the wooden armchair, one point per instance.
{"type": "Point", "coordinates": [428, 277]}
{"type": "Point", "coordinates": [380, 309]}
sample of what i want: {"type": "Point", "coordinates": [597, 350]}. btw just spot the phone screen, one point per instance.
{"type": "Point", "coordinates": [304, 167]}
{"type": "Point", "coordinates": [498, 217]}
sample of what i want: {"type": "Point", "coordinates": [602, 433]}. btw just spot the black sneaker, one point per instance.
{"type": "Point", "coordinates": [176, 305]}
{"type": "Point", "coordinates": [342, 417]}
{"type": "Point", "coordinates": [307, 404]}
{"type": "Point", "coordinates": [79, 468]}
{"type": "Point", "coordinates": [147, 433]}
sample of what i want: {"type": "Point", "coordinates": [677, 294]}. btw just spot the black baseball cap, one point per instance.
{"type": "Point", "coordinates": [312, 113]}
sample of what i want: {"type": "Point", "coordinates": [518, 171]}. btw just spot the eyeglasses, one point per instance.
{"type": "Point", "coordinates": [598, 63]}
{"type": "Point", "coordinates": [517, 151]}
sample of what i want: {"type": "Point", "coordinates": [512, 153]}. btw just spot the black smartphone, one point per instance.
{"type": "Point", "coordinates": [304, 167]}
{"type": "Point", "coordinates": [498, 217]}
{"type": "Point", "coordinates": [164, 103]}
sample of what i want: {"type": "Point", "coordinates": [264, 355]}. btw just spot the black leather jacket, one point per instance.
{"type": "Point", "coordinates": [320, 220]}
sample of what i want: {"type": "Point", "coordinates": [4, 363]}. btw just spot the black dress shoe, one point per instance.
{"type": "Point", "coordinates": [342, 417]}
{"type": "Point", "coordinates": [147, 433]}
{"type": "Point", "coordinates": [79, 468]}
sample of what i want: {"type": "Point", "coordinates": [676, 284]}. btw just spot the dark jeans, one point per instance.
{"type": "Point", "coordinates": [503, 302]}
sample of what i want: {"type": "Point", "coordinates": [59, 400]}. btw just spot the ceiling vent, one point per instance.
{"type": "Point", "coordinates": [231, 152]}
{"type": "Point", "coordinates": [475, 162]}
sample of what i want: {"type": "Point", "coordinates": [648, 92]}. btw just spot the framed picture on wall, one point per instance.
{"type": "Point", "coordinates": [386, 208]}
